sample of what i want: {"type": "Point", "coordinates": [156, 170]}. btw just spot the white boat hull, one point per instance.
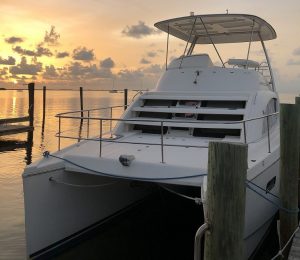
{"type": "Point", "coordinates": [260, 212]}
{"type": "Point", "coordinates": [56, 213]}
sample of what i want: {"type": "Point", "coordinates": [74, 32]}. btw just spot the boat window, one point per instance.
{"type": "Point", "coordinates": [217, 117]}
{"type": "Point", "coordinates": [185, 115]}
{"type": "Point", "coordinates": [160, 102]}
{"type": "Point", "coordinates": [271, 108]}
{"type": "Point", "coordinates": [151, 129]}
{"type": "Point", "coordinates": [231, 104]}
{"type": "Point", "coordinates": [188, 103]}
{"type": "Point", "coordinates": [215, 132]}
{"type": "Point", "coordinates": [156, 115]}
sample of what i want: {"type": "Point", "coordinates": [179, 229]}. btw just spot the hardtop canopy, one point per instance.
{"type": "Point", "coordinates": [218, 28]}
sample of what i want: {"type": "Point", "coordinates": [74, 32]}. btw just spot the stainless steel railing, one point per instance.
{"type": "Point", "coordinates": [161, 122]}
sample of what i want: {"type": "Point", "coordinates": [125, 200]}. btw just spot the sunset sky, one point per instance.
{"type": "Point", "coordinates": [101, 43]}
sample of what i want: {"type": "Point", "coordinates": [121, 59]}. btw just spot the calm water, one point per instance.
{"type": "Point", "coordinates": [14, 156]}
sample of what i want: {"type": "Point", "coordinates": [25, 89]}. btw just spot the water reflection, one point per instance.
{"type": "Point", "coordinates": [80, 130]}
{"type": "Point", "coordinates": [14, 99]}
{"type": "Point", "coordinates": [28, 157]}
{"type": "Point", "coordinates": [14, 145]}
{"type": "Point", "coordinates": [18, 150]}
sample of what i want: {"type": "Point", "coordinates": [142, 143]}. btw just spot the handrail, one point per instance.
{"type": "Point", "coordinates": [169, 120]}
{"type": "Point", "coordinates": [162, 123]}
{"type": "Point", "coordinates": [87, 110]}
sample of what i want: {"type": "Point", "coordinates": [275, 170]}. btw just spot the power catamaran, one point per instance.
{"type": "Point", "coordinates": [162, 138]}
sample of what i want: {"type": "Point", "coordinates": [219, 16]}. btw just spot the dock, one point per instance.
{"type": "Point", "coordinates": [10, 126]}
{"type": "Point", "coordinates": [7, 126]}
{"type": "Point", "coordinates": [295, 248]}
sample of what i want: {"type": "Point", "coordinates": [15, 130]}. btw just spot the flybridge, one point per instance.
{"type": "Point", "coordinates": [219, 29]}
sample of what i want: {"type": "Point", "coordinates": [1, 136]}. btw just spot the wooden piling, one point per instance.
{"type": "Point", "coordinates": [44, 101]}
{"type": "Point", "coordinates": [81, 101]}
{"type": "Point", "coordinates": [44, 106]}
{"type": "Point", "coordinates": [289, 167]}
{"type": "Point", "coordinates": [31, 103]}
{"type": "Point", "coordinates": [125, 98]}
{"type": "Point", "coordinates": [226, 190]}
{"type": "Point", "coordinates": [297, 102]}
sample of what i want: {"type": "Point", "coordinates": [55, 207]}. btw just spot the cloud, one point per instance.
{"type": "Point", "coordinates": [131, 74]}
{"type": "Point", "coordinates": [14, 39]}
{"type": "Point", "coordinates": [25, 68]}
{"type": "Point", "coordinates": [61, 55]}
{"type": "Point", "coordinates": [77, 70]}
{"type": "Point", "coordinates": [50, 72]}
{"type": "Point", "coordinates": [3, 73]}
{"type": "Point", "coordinates": [292, 62]}
{"type": "Point", "coordinates": [51, 37]}
{"type": "Point", "coordinates": [82, 53]}
{"type": "Point", "coordinates": [40, 51]}
{"type": "Point", "coordinates": [153, 69]}
{"type": "Point", "coordinates": [151, 54]}
{"type": "Point", "coordinates": [144, 61]}
{"type": "Point", "coordinates": [296, 52]}
{"type": "Point", "coordinates": [9, 61]}
{"type": "Point", "coordinates": [21, 51]}
{"type": "Point", "coordinates": [107, 63]}
{"type": "Point", "coordinates": [139, 30]}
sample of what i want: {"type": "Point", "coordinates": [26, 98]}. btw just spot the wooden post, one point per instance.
{"type": "Point", "coordinates": [289, 167]}
{"type": "Point", "coordinates": [31, 103]}
{"type": "Point", "coordinates": [44, 105]}
{"type": "Point", "coordinates": [125, 98]}
{"type": "Point", "coordinates": [81, 101]}
{"type": "Point", "coordinates": [226, 191]}
{"type": "Point", "coordinates": [297, 102]}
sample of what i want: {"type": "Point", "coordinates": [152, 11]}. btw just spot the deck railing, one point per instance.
{"type": "Point", "coordinates": [109, 137]}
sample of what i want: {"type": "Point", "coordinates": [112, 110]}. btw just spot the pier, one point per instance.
{"type": "Point", "coordinates": [8, 126]}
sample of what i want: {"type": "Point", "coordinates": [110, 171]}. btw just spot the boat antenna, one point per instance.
{"type": "Point", "coordinates": [167, 52]}
{"type": "Point", "coordinates": [188, 42]}
{"type": "Point", "coordinates": [268, 62]}
{"type": "Point", "coordinates": [250, 41]}
{"type": "Point", "coordinates": [212, 42]}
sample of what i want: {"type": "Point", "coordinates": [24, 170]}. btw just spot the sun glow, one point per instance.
{"type": "Point", "coordinates": [14, 105]}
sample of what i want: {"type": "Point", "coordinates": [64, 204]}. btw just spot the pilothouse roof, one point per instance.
{"type": "Point", "coordinates": [222, 28]}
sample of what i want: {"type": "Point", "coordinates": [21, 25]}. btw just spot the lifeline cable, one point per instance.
{"type": "Point", "coordinates": [247, 181]}
{"type": "Point", "coordinates": [295, 211]}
